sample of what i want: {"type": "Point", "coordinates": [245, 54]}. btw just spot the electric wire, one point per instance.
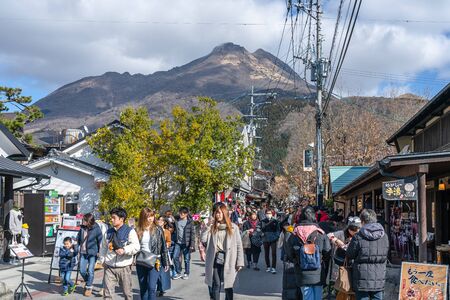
{"type": "Point", "coordinates": [345, 49]}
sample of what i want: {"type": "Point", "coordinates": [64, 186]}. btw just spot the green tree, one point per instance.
{"type": "Point", "coordinates": [191, 155]}
{"type": "Point", "coordinates": [209, 154]}
{"type": "Point", "coordinates": [26, 114]}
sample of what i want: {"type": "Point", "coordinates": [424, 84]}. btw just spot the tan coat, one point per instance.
{"type": "Point", "coordinates": [234, 257]}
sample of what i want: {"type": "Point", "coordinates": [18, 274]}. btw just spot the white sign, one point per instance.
{"type": "Point", "coordinates": [61, 234]}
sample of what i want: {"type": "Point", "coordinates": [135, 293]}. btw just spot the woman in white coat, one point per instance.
{"type": "Point", "coordinates": [224, 253]}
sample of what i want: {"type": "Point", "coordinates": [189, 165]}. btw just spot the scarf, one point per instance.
{"type": "Point", "coordinates": [253, 223]}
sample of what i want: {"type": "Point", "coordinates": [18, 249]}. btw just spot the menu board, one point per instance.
{"type": "Point", "coordinates": [20, 251]}
{"type": "Point", "coordinates": [423, 281]}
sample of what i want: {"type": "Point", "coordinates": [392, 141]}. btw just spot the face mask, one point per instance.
{"type": "Point", "coordinates": [269, 217]}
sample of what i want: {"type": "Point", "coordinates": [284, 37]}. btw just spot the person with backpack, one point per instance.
{"type": "Point", "coordinates": [369, 251]}
{"type": "Point", "coordinates": [89, 240]}
{"type": "Point", "coordinates": [309, 249]}
{"type": "Point", "coordinates": [270, 227]}
{"type": "Point", "coordinates": [251, 227]}
{"type": "Point", "coordinates": [117, 254]}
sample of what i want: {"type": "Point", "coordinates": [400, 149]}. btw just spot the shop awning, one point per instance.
{"type": "Point", "coordinates": [11, 168]}
{"type": "Point", "coordinates": [439, 162]}
{"type": "Point", "coordinates": [63, 187]}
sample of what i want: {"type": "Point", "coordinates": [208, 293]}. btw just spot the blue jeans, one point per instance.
{"type": "Point", "coordinates": [313, 292]}
{"type": "Point", "coordinates": [66, 280]}
{"type": "Point", "coordinates": [181, 248]}
{"type": "Point", "coordinates": [87, 265]}
{"type": "Point", "coordinates": [369, 295]}
{"type": "Point", "coordinates": [148, 279]}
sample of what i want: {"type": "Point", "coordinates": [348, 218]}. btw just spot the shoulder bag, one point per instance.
{"type": "Point", "coordinates": [146, 258]}
{"type": "Point", "coordinates": [343, 281]}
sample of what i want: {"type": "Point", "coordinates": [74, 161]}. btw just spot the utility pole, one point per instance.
{"type": "Point", "coordinates": [320, 68]}
{"type": "Point", "coordinates": [254, 121]}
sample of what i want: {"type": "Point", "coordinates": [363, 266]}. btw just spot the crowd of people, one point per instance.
{"type": "Point", "coordinates": [312, 244]}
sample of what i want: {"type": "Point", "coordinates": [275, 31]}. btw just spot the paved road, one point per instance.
{"type": "Point", "coordinates": [250, 284]}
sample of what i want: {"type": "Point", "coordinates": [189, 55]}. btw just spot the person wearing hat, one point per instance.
{"type": "Point", "coordinates": [340, 241]}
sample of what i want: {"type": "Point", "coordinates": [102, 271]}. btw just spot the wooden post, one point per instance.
{"type": "Point", "coordinates": [373, 199]}
{"type": "Point", "coordinates": [422, 213]}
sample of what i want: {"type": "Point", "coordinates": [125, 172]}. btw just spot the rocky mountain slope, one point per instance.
{"type": "Point", "coordinates": [224, 74]}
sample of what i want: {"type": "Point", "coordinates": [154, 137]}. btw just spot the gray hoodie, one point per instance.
{"type": "Point", "coordinates": [372, 231]}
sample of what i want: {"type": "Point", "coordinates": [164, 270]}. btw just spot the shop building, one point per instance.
{"type": "Point", "coordinates": [418, 230]}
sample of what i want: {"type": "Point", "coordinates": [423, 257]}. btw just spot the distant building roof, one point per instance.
{"type": "Point", "coordinates": [340, 176]}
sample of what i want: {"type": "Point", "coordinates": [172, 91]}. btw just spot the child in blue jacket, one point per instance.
{"type": "Point", "coordinates": [67, 260]}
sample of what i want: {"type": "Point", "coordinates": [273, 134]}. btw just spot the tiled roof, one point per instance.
{"type": "Point", "coordinates": [11, 168]}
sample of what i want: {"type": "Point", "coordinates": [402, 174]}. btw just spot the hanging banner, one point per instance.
{"type": "Point", "coordinates": [402, 189]}
{"type": "Point", "coordinates": [423, 281]}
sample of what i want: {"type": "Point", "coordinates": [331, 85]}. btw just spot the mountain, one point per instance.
{"type": "Point", "coordinates": [224, 74]}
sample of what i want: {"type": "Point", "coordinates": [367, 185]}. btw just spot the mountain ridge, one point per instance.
{"type": "Point", "coordinates": [227, 71]}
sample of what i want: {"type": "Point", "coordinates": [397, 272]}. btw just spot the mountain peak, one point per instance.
{"type": "Point", "coordinates": [228, 47]}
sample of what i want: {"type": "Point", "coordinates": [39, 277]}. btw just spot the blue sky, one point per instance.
{"type": "Point", "coordinates": [398, 46]}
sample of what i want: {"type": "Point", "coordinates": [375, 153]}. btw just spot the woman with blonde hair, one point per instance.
{"type": "Point", "coordinates": [224, 253]}
{"type": "Point", "coordinates": [152, 255]}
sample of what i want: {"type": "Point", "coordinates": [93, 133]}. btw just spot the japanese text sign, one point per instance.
{"type": "Point", "coordinates": [403, 189]}
{"type": "Point", "coordinates": [423, 281]}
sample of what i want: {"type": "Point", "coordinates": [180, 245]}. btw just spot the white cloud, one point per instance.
{"type": "Point", "coordinates": [54, 42]}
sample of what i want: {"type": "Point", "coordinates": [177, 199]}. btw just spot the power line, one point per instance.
{"type": "Point", "coordinates": [394, 77]}
{"type": "Point", "coordinates": [348, 34]}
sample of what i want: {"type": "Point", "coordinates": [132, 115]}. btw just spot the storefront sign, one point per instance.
{"type": "Point", "coordinates": [402, 189]}
{"type": "Point", "coordinates": [423, 281]}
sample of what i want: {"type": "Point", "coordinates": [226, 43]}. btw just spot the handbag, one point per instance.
{"type": "Point", "coordinates": [343, 281]}
{"type": "Point", "coordinates": [256, 239]}
{"type": "Point", "coordinates": [146, 258]}
{"type": "Point", "coordinates": [220, 258]}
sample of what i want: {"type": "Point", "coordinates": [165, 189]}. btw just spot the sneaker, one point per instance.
{"type": "Point", "coordinates": [273, 271]}
{"type": "Point", "coordinates": [256, 268]}
{"type": "Point", "coordinates": [72, 288]}
{"type": "Point", "coordinates": [177, 276]}
{"type": "Point", "coordinates": [268, 270]}
{"type": "Point", "coordinates": [87, 292]}
{"type": "Point", "coordinates": [66, 293]}
{"type": "Point", "coordinates": [160, 294]}
{"type": "Point", "coordinates": [185, 276]}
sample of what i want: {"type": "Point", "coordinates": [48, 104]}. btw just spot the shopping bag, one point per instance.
{"type": "Point", "coordinates": [343, 281]}
{"type": "Point", "coordinates": [344, 296]}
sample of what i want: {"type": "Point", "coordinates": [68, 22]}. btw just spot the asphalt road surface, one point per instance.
{"type": "Point", "coordinates": [249, 284]}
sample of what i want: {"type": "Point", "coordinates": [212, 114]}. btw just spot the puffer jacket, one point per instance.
{"type": "Point", "coordinates": [189, 232]}
{"type": "Point", "coordinates": [271, 229]}
{"type": "Point", "coordinates": [310, 231]}
{"type": "Point", "coordinates": [93, 239]}
{"type": "Point", "coordinates": [67, 259]}
{"type": "Point", "coordinates": [369, 248]}
{"type": "Point", "coordinates": [158, 246]}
